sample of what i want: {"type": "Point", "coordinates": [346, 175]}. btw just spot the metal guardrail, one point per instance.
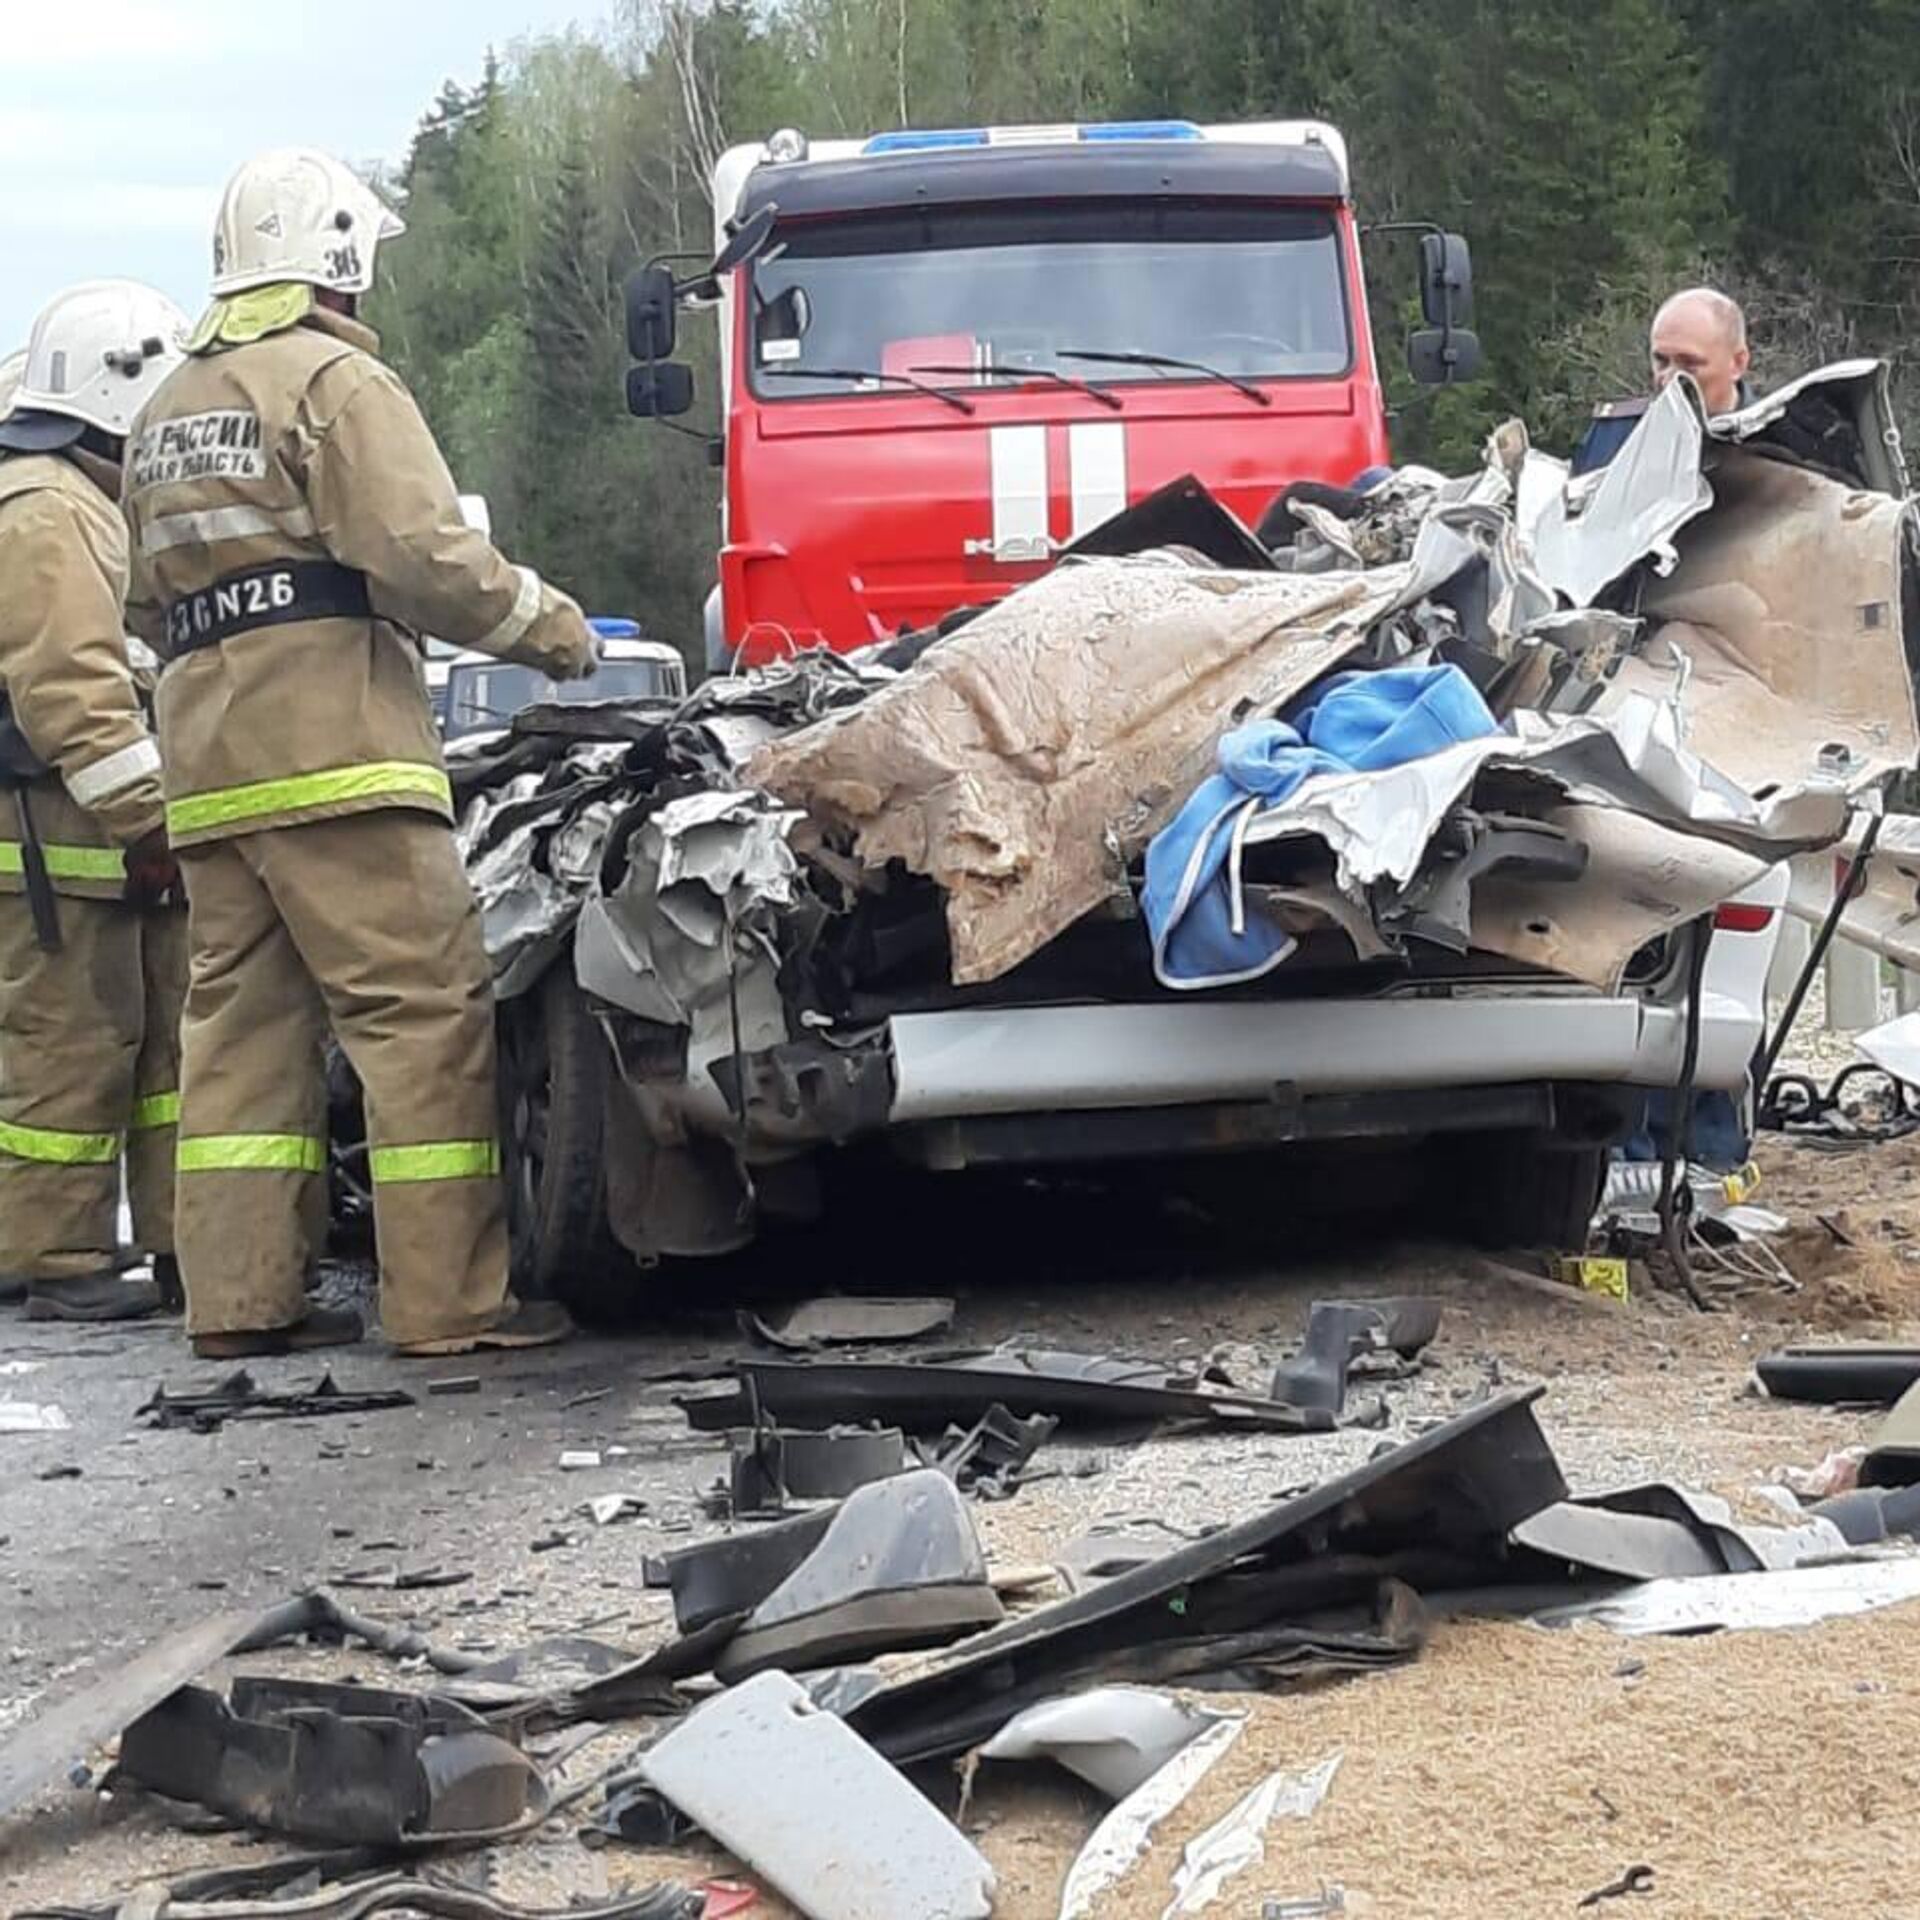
{"type": "Point", "coordinates": [1878, 946]}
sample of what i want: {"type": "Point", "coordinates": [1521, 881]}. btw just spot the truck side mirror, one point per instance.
{"type": "Point", "coordinates": [1446, 280]}
{"type": "Point", "coordinates": [1446, 349]}
{"type": "Point", "coordinates": [1438, 356]}
{"type": "Point", "coordinates": [651, 314]}
{"type": "Point", "coordinates": [659, 390]}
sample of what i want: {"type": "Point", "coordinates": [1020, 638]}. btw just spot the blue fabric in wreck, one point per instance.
{"type": "Point", "coordinates": [1353, 723]}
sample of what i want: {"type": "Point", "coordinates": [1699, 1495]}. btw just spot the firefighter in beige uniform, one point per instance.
{"type": "Point", "coordinates": [296, 525]}
{"type": "Point", "coordinates": [92, 969]}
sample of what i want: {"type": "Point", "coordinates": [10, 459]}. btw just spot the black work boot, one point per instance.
{"type": "Point", "coordinates": [319, 1327]}
{"type": "Point", "coordinates": [525, 1323]}
{"type": "Point", "coordinates": [13, 1288]}
{"type": "Point", "coordinates": [166, 1276]}
{"type": "Point", "coordinates": [92, 1296]}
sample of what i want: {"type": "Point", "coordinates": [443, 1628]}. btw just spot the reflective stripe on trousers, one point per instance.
{"type": "Point", "coordinates": [156, 1110]}
{"type": "Point", "coordinates": [435, 1160]}
{"type": "Point", "coordinates": [377, 779]}
{"type": "Point", "coordinates": [67, 863]}
{"type": "Point", "coordinates": [56, 1147]}
{"type": "Point", "coordinates": [252, 1153]}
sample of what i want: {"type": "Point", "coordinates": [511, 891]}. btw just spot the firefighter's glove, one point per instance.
{"type": "Point", "coordinates": [152, 871]}
{"type": "Point", "coordinates": [560, 643]}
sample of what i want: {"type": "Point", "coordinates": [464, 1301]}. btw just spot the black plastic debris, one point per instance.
{"type": "Point", "coordinates": [989, 1457]}
{"type": "Point", "coordinates": [924, 1397]}
{"type": "Point", "coordinates": [730, 1576]}
{"type": "Point", "coordinates": [1341, 1336]}
{"type": "Point", "coordinates": [240, 1397]}
{"type": "Point", "coordinates": [774, 1466]}
{"type": "Point", "coordinates": [1434, 1513]}
{"type": "Point", "coordinates": [898, 1566]}
{"type": "Point", "coordinates": [1864, 1375]}
{"type": "Point", "coordinates": [344, 1765]}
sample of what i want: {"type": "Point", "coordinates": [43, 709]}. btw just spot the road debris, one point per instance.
{"type": "Point", "coordinates": [1237, 1841]}
{"type": "Point", "coordinates": [773, 1467]}
{"type": "Point", "coordinates": [841, 1321]}
{"type": "Point", "coordinates": [801, 1800]}
{"type": "Point", "coordinates": [240, 1397]}
{"type": "Point", "coordinates": [1126, 1831]}
{"type": "Point", "coordinates": [24, 1416]}
{"type": "Point", "coordinates": [1114, 1738]}
{"type": "Point", "coordinates": [1347, 1544]}
{"type": "Point", "coordinates": [1636, 1879]}
{"type": "Point", "coordinates": [990, 1457]}
{"type": "Point", "coordinates": [1853, 1375]}
{"type": "Point", "coordinates": [898, 1566]}
{"type": "Point", "coordinates": [361, 1897]}
{"type": "Point", "coordinates": [1780, 1597]}
{"type": "Point", "coordinates": [376, 1769]}
{"type": "Point", "coordinates": [1071, 1387]}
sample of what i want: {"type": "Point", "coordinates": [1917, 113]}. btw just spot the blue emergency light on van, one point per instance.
{"type": "Point", "coordinates": [610, 629]}
{"type": "Point", "coordinates": [928, 140]}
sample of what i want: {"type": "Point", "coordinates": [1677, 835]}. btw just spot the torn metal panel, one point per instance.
{"type": "Point", "coordinates": [665, 942]}
{"type": "Point", "coordinates": [1839, 417]}
{"type": "Point", "coordinates": [1031, 752]}
{"type": "Point", "coordinates": [1788, 1597]}
{"type": "Point", "coordinates": [1237, 1840]}
{"type": "Point", "coordinates": [795, 1795]}
{"type": "Point", "coordinates": [1787, 611]}
{"type": "Point", "coordinates": [1587, 538]}
{"type": "Point", "coordinates": [1120, 1839]}
{"type": "Point", "coordinates": [1643, 879]}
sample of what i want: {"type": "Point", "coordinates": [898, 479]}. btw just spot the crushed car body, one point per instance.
{"type": "Point", "coordinates": [1163, 854]}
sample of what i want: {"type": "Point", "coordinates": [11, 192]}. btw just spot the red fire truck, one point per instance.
{"type": "Point", "coordinates": [944, 356]}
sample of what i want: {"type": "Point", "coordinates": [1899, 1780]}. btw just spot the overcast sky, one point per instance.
{"type": "Point", "coordinates": [121, 119]}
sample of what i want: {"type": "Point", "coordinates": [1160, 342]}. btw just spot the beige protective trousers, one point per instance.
{"type": "Point", "coordinates": [367, 924]}
{"type": "Point", "coordinates": [89, 1076]}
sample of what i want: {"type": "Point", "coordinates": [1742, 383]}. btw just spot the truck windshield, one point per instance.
{"type": "Point", "coordinates": [1253, 290]}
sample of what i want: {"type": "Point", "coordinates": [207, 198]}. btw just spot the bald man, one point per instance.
{"type": "Point", "coordinates": [1702, 333]}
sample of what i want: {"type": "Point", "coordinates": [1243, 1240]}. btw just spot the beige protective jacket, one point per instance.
{"type": "Point", "coordinates": [63, 668]}
{"type": "Point", "coordinates": [301, 447]}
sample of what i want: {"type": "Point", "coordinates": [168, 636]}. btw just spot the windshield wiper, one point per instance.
{"type": "Point", "coordinates": [945, 398]}
{"type": "Point", "coordinates": [996, 369]}
{"type": "Point", "coordinates": [1233, 380]}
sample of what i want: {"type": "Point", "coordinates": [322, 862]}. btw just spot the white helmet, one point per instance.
{"type": "Point", "coordinates": [11, 368]}
{"type": "Point", "coordinates": [296, 214]}
{"type": "Point", "coordinates": [96, 353]}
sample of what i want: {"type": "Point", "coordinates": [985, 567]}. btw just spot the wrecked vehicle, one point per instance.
{"type": "Point", "coordinates": [1459, 823]}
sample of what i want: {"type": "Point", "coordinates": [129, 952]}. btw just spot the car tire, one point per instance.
{"type": "Point", "coordinates": [1528, 1191]}
{"type": "Point", "coordinates": [553, 1079]}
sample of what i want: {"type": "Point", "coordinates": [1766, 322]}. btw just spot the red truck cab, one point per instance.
{"type": "Point", "coordinates": [947, 355]}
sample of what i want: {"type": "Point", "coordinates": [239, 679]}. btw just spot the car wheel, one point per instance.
{"type": "Point", "coordinates": [1528, 1190]}
{"type": "Point", "coordinates": [553, 1076]}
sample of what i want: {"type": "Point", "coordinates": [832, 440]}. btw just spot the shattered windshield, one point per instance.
{"type": "Point", "coordinates": [1254, 291]}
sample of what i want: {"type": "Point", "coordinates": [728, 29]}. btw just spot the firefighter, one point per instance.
{"type": "Point", "coordinates": [295, 524]}
{"type": "Point", "coordinates": [86, 996]}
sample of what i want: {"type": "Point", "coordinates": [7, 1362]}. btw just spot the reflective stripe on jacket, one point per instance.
{"type": "Point", "coordinates": [64, 670]}
{"type": "Point", "coordinates": [302, 446]}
